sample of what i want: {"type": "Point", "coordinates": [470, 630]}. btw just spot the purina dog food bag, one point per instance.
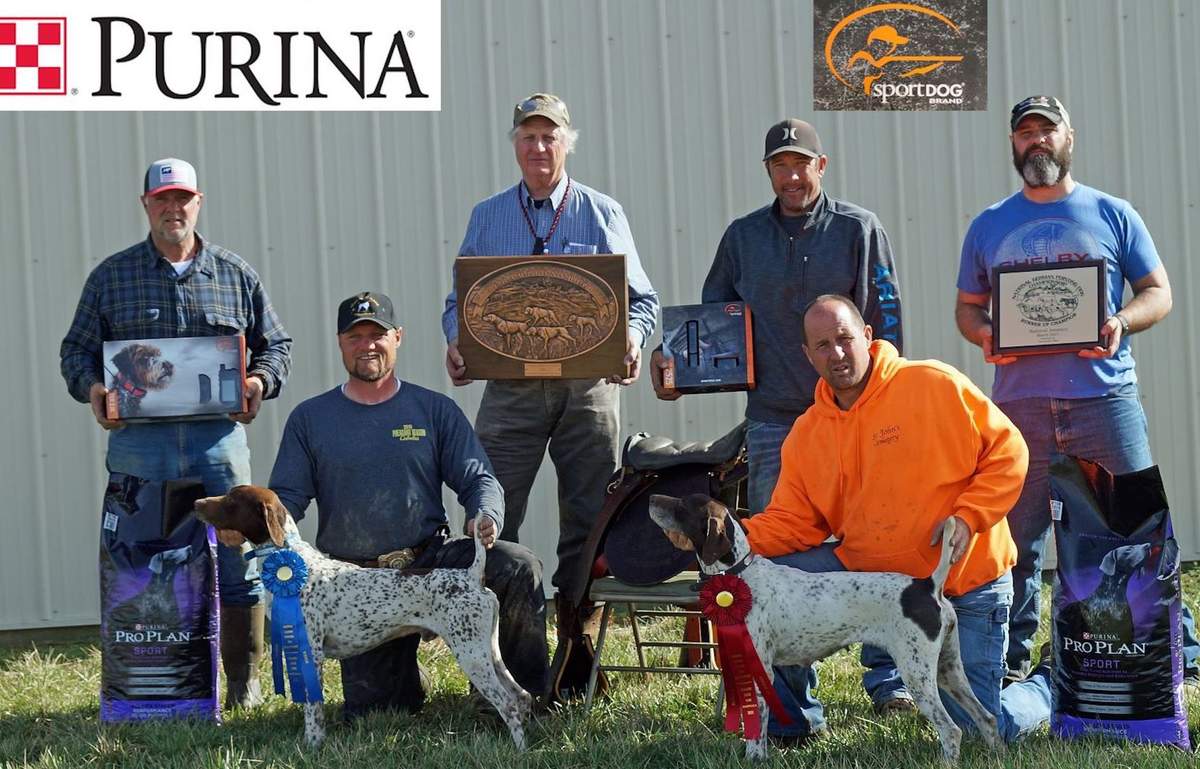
{"type": "Point", "coordinates": [158, 603]}
{"type": "Point", "coordinates": [1118, 642]}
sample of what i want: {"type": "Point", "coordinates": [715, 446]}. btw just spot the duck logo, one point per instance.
{"type": "Point", "coordinates": [900, 56]}
{"type": "Point", "coordinates": [33, 56]}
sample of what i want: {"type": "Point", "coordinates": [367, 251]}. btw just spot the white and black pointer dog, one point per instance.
{"type": "Point", "coordinates": [798, 617]}
{"type": "Point", "coordinates": [349, 609]}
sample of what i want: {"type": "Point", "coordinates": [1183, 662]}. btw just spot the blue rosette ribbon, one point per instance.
{"type": "Point", "coordinates": [284, 574]}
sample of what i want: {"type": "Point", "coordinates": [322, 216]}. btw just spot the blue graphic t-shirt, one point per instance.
{"type": "Point", "coordinates": [1087, 224]}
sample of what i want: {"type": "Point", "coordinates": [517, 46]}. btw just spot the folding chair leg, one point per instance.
{"type": "Point", "coordinates": [591, 684]}
{"type": "Point", "coordinates": [637, 637]}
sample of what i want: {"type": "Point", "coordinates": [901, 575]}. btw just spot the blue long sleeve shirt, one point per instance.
{"type": "Point", "coordinates": [591, 223]}
{"type": "Point", "coordinates": [376, 472]}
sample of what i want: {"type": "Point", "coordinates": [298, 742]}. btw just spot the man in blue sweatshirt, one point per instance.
{"type": "Point", "coordinates": [374, 453]}
{"type": "Point", "coordinates": [778, 259]}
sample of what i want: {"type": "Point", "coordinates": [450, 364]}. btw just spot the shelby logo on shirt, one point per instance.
{"type": "Point", "coordinates": [1047, 241]}
{"type": "Point", "coordinates": [408, 433]}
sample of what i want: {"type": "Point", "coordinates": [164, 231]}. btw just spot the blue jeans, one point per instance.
{"type": "Point", "coordinates": [214, 451]}
{"type": "Point", "coordinates": [763, 442]}
{"type": "Point", "coordinates": [1110, 430]}
{"type": "Point", "coordinates": [983, 638]}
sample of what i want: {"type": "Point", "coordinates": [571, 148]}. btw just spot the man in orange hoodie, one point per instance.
{"type": "Point", "coordinates": [890, 450]}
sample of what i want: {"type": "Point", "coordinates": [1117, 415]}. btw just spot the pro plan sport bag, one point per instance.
{"type": "Point", "coordinates": [1118, 642]}
{"type": "Point", "coordinates": [158, 603]}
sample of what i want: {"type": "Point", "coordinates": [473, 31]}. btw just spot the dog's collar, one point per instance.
{"type": "Point", "coordinates": [128, 386]}
{"type": "Point", "coordinates": [290, 540]}
{"type": "Point", "coordinates": [733, 570]}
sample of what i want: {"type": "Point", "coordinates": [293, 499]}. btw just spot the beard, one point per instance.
{"type": "Point", "coordinates": [1041, 169]}
{"type": "Point", "coordinates": [370, 371]}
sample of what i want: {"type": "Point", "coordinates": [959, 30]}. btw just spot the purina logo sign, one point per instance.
{"type": "Point", "coordinates": [33, 59]}
{"type": "Point", "coordinates": [223, 55]}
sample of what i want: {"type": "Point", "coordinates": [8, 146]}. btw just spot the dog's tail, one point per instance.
{"type": "Point", "coordinates": [943, 568]}
{"type": "Point", "coordinates": [480, 557]}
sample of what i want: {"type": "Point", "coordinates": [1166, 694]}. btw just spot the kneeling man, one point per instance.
{"type": "Point", "coordinates": [374, 453]}
{"type": "Point", "coordinates": [890, 450]}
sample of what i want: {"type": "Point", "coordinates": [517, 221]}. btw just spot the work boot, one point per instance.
{"type": "Point", "coordinates": [241, 651]}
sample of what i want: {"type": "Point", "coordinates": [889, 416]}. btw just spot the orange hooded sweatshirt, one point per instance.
{"type": "Point", "coordinates": [920, 444]}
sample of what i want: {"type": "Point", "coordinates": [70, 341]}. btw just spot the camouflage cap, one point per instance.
{"type": "Point", "coordinates": [545, 105]}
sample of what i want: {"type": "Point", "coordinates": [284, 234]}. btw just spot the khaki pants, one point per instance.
{"type": "Point", "coordinates": [578, 420]}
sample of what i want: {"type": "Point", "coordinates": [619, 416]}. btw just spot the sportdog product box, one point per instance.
{"type": "Point", "coordinates": [542, 317]}
{"type": "Point", "coordinates": [197, 377]}
{"type": "Point", "coordinates": [710, 347]}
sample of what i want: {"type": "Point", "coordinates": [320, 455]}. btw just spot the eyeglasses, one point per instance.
{"type": "Point", "coordinates": [529, 105]}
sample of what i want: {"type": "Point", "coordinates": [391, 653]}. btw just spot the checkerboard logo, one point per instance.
{"type": "Point", "coordinates": [33, 56]}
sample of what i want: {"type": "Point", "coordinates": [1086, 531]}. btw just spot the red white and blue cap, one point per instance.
{"type": "Point", "coordinates": [169, 174]}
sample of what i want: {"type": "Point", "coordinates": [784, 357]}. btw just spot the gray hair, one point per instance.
{"type": "Point", "coordinates": [568, 135]}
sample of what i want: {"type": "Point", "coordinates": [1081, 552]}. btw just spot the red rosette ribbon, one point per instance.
{"type": "Point", "coordinates": [726, 600]}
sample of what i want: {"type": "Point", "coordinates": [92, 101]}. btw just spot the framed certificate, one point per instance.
{"type": "Point", "coordinates": [1046, 308]}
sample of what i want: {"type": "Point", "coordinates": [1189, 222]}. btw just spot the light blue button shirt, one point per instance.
{"type": "Point", "coordinates": [591, 223]}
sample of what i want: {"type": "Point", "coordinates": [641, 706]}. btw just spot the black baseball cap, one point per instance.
{"type": "Point", "coordinates": [1046, 106]}
{"type": "Point", "coordinates": [792, 135]}
{"type": "Point", "coordinates": [366, 305]}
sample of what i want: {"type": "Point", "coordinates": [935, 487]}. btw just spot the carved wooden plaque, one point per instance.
{"type": "Point", "coordinates": [542, 317]}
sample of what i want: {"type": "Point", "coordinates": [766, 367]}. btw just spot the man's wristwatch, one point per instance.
{"type": "Point", "coordinates": [1124, 323]}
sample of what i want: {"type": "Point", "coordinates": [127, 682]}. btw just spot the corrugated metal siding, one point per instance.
{"type": "Point", "coordinates": [672, 99]}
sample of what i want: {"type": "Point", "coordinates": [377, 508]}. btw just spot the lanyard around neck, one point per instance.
{"type": "Point", "coordinates": [539, 242]}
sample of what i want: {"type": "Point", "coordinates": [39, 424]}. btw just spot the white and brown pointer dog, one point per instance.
{"type": "Point", "coordinates": [349, 609]}
{"type": "Point", "coordinates": [798, 617]}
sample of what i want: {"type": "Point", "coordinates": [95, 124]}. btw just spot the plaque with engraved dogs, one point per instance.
{"type": "Point", "coordinates": [540, 317]}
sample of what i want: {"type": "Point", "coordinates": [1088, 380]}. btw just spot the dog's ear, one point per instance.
{"type": "Point", "coordinates": [123, 359]}
{"type": "Point", "coordinates": [274, 514]}
{"type": "Point", "coordinates": [1108, 565]}
{"type": "Point", "coordinates": [717, 545]}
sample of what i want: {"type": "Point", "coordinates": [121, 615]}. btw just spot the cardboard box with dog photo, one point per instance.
{"type": "Point", "coordinates": [199, 377]}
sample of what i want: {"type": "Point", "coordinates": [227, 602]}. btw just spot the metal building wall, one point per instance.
{"type": "Point", "coordinates": [672, 98]}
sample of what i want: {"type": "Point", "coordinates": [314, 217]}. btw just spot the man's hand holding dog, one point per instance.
{"type": "Point", "coordinates": [487, 529]}
{"type": "Point", "coordinates": [98, 395]}
{"type": "Point", "coordinates": [254, 399]}
{"type": "Point", "coordinates": [959, 540]}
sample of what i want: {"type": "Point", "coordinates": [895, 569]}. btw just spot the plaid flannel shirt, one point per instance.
{"type": "Point", "coordinates": [135, 294]}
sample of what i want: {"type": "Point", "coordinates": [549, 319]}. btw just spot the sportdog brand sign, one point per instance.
{"type": "Point", "coordinates": [927, 55]}
{"type": "Point", "coordinates": [269, 55]}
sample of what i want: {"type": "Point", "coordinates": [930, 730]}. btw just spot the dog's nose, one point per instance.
{"type": "Point", "coordinates": [168, 367]}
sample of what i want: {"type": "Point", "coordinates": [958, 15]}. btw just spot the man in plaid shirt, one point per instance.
{"type": "Point", "coordinates": [177, 284]}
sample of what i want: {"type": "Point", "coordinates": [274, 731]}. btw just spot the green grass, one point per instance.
{"type": "Point", "coordinates": [49, 719]}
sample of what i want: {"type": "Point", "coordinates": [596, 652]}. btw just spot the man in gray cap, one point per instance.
{"type": "Point", "coordinates": [374, 452]}
{"type": "Point", "coordinates": [176, 283]}
{"type": "Point", "coordinates": [548, 212]}
{"type": "Point", "coordinates": [778, 259]}
{"type": "Point", "coordinates": [1085, 404]}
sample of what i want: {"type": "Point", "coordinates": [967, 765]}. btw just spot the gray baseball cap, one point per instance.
{"type": "Point", "coordinates": [546, 105]}
{"type": "Point", "coordinates": [792, 135]}
{"type": "Point", "coordinates": [169, 174]}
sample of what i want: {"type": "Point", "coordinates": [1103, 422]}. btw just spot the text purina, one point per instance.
{"type": "Point", "coordinates": [311, 45]}
{"type": "Point", "coordinates": [151, 636]}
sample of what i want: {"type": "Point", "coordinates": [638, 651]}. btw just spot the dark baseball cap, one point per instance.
{"type": "Point", "coordinates": [169, 174]}
{"type": "Point", "coordinates": [1046, 106]}
{"type": "Point", "coordinates": [366, 305]}
{"type": "Point", "coordinates": [792, 135]}
{"type": "Point", "coordinates": [546, 105]}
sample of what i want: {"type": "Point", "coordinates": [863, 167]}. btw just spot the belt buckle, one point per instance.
{"type": "Point", "coordinates": [398, 559]}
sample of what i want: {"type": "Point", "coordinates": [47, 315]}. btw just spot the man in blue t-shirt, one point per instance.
{"type": "Point", "coordinates": [1084, 404]}
{"type": "Point", "coordinates": [374, 453]}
